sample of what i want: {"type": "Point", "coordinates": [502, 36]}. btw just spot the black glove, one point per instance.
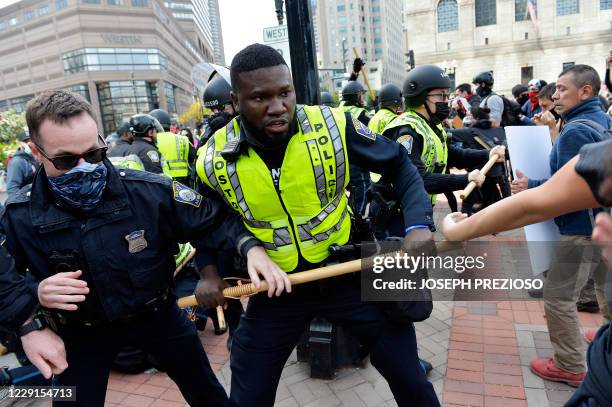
{"type": "Point", "coordinates": [358, 64]}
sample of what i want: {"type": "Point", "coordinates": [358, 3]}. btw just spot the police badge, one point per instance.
{"type": "Point", "coordinates": [136, 241]}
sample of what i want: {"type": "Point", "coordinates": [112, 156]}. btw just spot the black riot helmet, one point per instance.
{"type": "Point", "coordinates": [420, 81]}
{"type": "Point", "coordinates": [327, 99]}
{"type": "Point", "coordinates": [485, 77]}
{"type": "Point", "coordinates": [140, 124]}
{"type": "Point", "coordinates": [390, 94]}
{"type": "Point", "coordinates": [217, 94]}
{"type": "Point", "coordinates": [162, 117]}
{"type": "Point", "coordinates": [351, 92]}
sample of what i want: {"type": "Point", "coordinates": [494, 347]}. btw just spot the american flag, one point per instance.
{"type": "Point", "coordinates": [531, 10]}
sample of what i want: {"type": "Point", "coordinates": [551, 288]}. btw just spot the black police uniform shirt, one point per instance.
{"type": "Point", "coordinates": [372, 152]}
{"type": "Point", "coordinates": [125, 246]}
{"type": "Point", "coordinates": [438, 183]}
{"type": "Point", "coordinates": [148, 154]}
{"type": "Point", "coordinates": [120, 149]}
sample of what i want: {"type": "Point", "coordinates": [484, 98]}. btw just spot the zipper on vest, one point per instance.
{"type": "Point", "coordinates": [295, 236]}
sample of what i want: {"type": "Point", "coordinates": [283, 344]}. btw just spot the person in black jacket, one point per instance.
{"type": "Point", "coordinates": [100, 244]}
{"type": "Point", "coordinates": [22, 167]}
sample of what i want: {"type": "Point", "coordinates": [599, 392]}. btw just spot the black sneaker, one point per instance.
{"type": "Point", "coordinates": [427, 367]}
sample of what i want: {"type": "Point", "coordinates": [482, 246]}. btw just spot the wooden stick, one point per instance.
{"type": "Point", "coordinates": [305, 276]}
{"type": "Point", "coordinates": [468, 190]}
{"type": "Point", "coordinates": [221, 317]}
{"type": "Point", "coordinates": [365, 76]}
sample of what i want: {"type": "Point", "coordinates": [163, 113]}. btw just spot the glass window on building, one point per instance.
{"type": "Point", "coordinates": [90, 1]}
{"type": "Point", "coordinates": [2, 25]}
{"type": "Point", "coordinates": [28, 15]}
{"type": "Point", "coordinates": [123, 99]}
{"type": "Point", "coordinates": [342, 30]}
{"type": "Point", "coordinates": [113, 59]}
{"type": "Point", "coordinates": [376, 19]}
{"type": "Point", "coordinates": [19, 104]}
{"type": "Point", "coordinates": [170, 101]}
{"type": "Point", "coordinates": [61, 4]}
{"type": "Point", "coordinates": [526, 74]}
{"type": "Point", "coordinates": [341, 8]}
{"type": "Point", "coordinates": [44, 9]}
{"type": "Point", "coordinates": [448, 16]}
{"type": "Point", "coordinates": [567, 7]}
{"type": "Point", "coordinates": [605, 4]}
{"type": "Point", "coordinates": [115, 2]}
{"type": "Point", "coordinates": [375, 9]}
{"type": "Point", "coordinates": [81, 89]}
{"type": "Point", "coordinates": [377, 51]}
{"type": "Point", "coordinates": [377, 40]}
{"type": "Point", "coordinates": [341, 19]}
{"type": "Point", "coordinates": [486, 12]}
{"type": "Point", "coordinates": [140, 3]}
{"type": "Point", "coordinates": [567, 65]}
{"type": "Point", "coordinates": [4, 106]}
{"type": "Point", "coordinates": [12, 21]}
{"type": "Point", "coordinates": [521, 9]}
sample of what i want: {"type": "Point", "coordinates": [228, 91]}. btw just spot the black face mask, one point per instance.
{"type": "Point", "coordinates": [521, 100]}
{"type": "Point", "coordinates": [483, 91]}
{"type": "Point", "coordinates": [441, 114]}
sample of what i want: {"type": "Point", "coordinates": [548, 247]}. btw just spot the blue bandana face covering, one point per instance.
{"type": "Point", "coordinates": [80, 188]}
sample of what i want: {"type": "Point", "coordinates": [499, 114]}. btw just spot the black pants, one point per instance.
{"type": "Point", "coordinates": [271, 328]}
{"type": "Point", "coordinates": [166, 334]}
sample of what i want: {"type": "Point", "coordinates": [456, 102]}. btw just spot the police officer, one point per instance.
{"type": "Point", "coordinates": [100, 243]}
{"type": "Point", "coordinates": [120, 154]}
{"type": "Point", "coordinates": [353, 102]}
{"type": "Point", "coordinates": [327, 99]}
{"type": "Point", "coordinates": [22, 167]}
{"type": "Point", "coordinates": [144, 129]}
{"type": "Point", "coordinates": [283, 168]}
{"type": "Point", "coordinates": [217, 98]}
{"type": "Point", "coordinates": [178, 153]}
{"type": "Point", "coordinates": [419, 129]}
{"type": "Point", "coordinates": [390, 104]}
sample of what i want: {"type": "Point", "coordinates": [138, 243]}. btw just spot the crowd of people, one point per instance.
{"type": "Point", "coordinates": [95, 228]}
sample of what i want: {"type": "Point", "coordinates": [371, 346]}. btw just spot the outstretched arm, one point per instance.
{"type": "Point", "coordinates": [553, 198]}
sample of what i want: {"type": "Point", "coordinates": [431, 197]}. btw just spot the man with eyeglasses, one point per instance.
{"type": "Point", "coordinates": [99, 243]}
{"type": "Point", "coordinates": [419, 129]}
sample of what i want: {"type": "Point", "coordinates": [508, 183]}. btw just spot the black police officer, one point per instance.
{"type": "Point", "coordinates": [269, 132]}
{"type": "Point", "coordinates": [144, 128]}
{"type": "Point", "coordinates": [100, 244]}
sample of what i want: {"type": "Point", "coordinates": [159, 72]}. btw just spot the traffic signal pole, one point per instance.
{"type": "Point", "coordinates": [303, 51]}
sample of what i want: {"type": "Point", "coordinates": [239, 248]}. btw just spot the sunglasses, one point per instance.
{"type": "Point", "coordinates": [69, 161]}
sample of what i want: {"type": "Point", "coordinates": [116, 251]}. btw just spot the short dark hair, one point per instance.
{"type": "Point", "coordinates": [583, 75]}
{"type": "Point", "coordinates": [464, 87]}
{"type": "Point", "coordinates": [253, 57]}
{"type": "Point", "coordinates": [56, 105]}
{"type": "Point", "coordinates": [547, 91]}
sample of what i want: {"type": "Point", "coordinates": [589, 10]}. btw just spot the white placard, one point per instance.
{"type": "Point", "coordinates": [529, 148]}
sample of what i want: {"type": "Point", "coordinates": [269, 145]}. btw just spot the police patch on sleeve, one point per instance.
{"type": "Point", "coordinates": [406, 141]}
{"type": "Point", "coordinates": [153, 156]}
{"type": "Point", "coordinates": [363, 130]}
{"type": "Point", "coordinates": [186, 195]}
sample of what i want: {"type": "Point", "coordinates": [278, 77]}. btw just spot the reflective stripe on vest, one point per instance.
{"type": "Point", "coordinates": [175, 150]}
{"type": "Point", "coordinates": [434, 149]}
{"type": "Point", "coordinates": [309, 212]}
{"type": "Point", "coordinates": [380, 120]}
{"type": "Point", "coordinates": [131, 161]}
{"type": "Point", "coordinates": [355, 111]}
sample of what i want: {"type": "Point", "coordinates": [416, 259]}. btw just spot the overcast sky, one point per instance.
{"type": "Point", "coordinates": [242, 22]}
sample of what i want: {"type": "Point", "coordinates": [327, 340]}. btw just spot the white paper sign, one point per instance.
{"type": "Point", "coordinates": [529, 148]}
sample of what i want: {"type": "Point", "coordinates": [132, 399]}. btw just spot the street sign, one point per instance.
{"type": "Point", "coordinates": [278, 38]}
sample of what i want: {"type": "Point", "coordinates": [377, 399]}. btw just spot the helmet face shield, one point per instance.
{"type": "Point", "coordinates": [158, 126]}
